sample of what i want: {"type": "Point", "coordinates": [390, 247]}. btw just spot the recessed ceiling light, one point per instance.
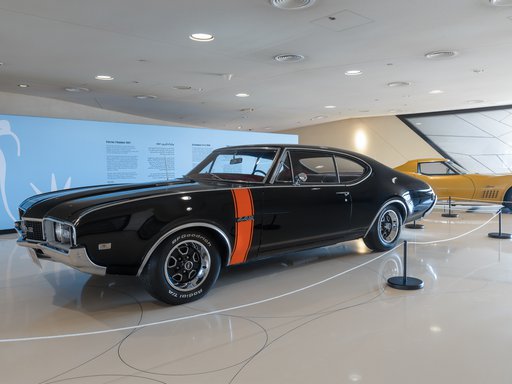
{"type": "Point", "coordinates": [394, 84]}
{"type": "Point", "coordinates": [474, 101]}
{"type": "Point", "coordinates": [77, 89]}
{"type": "Point", "coordinates": [329, 106]}
{"type": "Point", "coordinates": [289, 58]}
{"type": "Point", "coordinates": [182, 87]}
{"type": "Point", "coordinates": [442, 54]}
{"type": "Point", "coordinates": [319, 117]}
{"type": "Point", "coordinates": [202, 37]}
{"type": "Point", "coordinates": [353, 72]}
{"type": "Point", "coordinates": [23, 85]}
{"type": "Point", "coordinates": [242, 95]}
{"type": "Point", "coordinates": [501, 3]}
{"type": "Point", "coordinates": [146, 97]}
{"type": "Point", "coordinates": [103, 77]}
{"type": "Point", "coordinates": [292, 4]}
{"type": "Point", "coordinates": [436, 92]}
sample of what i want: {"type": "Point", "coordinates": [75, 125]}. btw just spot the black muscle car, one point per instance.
{"type": "Point", "coordinates": [239, 204]}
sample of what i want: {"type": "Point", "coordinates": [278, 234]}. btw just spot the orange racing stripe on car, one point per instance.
{"type": "Point", "coordinates": [244, 226]}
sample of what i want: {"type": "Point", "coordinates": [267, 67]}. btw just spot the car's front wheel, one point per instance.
{"type": "Point", "coordinates": [385, 231]}
{"type": "Point", "coordinates": [183, 268]}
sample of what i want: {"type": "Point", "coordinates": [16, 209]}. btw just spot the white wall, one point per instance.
{"type": "Point", "coordinates": [387, 139]}
{"type": "Point", "coordinates": [384, 138]}
{"type": "Point", "coordinates": [17, 104]}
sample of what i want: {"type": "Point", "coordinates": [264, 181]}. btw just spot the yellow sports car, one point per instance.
{"type": "Point", "coordinates": [451, 180]}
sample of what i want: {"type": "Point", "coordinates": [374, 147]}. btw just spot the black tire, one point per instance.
{"type": "Point", "coordinates": [385, 231]}
{"type": "Point", "coordinates": [507, 200]}
{"type": "Point", "coordinates": [183, 268]}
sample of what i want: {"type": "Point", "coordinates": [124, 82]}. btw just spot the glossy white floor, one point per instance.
{"type": "Point", "coordinates": [351, 328]}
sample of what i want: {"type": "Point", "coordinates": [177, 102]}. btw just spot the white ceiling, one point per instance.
{"type": "Point", "coordinates": [144, 45]}
{"type": "Point", "coordinates": [479, 141]}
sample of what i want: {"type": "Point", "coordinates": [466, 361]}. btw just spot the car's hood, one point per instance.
{"type": "Point", "coordinates": [66, 203]}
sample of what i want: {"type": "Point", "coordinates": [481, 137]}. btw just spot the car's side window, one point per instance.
{"type": "Point", "coordinates": [433, 169]}
{"type": "Point", "coordinates": [349, 171]}
{"type": "Point", "coordinates": [313, 167]}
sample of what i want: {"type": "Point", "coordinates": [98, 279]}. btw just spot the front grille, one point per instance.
{"type": "Point", "coordinates": [34, 230]}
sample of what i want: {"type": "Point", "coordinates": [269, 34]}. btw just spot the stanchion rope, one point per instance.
{"type": "Point", "coordinates": [237, 307]}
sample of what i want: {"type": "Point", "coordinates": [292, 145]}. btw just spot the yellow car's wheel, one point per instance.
{"type": "Point", "coordinates": [507, 200]}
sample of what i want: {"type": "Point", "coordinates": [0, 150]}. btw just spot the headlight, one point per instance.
{"type": "Point", "coordinates": [62, 233]}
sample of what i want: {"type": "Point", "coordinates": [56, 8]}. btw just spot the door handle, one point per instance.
{"type": "Point", "coordinates": [343, 195]}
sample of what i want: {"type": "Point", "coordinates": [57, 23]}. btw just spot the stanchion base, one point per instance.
{"type": "Point", "coordinates": [408, 284]}
{"type": "Point", "coordinates": [450, 214]}
{"type": "Point", "coordinates": [502, 235]}
{"type": "Point", "coordinates": [414, 226]}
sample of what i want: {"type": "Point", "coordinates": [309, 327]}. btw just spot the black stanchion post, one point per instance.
{"type": "Point", "coordinates": [414, 225]}
{"type": "Point", "coordinates": [404, 282]}
{"type": "Point", "coordinates": [450, 214]}
{"type": "Point", "coordinates": [499, 234]}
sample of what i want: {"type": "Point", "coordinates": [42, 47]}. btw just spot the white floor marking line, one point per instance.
{"type": "Point", "coordinates": [216, 312]}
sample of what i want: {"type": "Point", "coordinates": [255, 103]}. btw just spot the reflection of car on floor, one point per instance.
{"type": "Point", "coordinates": [449, 179]}
{"type": "Point", "coordinates": [239, 204]}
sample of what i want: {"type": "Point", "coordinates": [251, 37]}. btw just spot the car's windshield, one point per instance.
{"type": "Point", "coordinates": [244, 165]}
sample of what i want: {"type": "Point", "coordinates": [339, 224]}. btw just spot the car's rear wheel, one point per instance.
{"type": "Point", "coordinates": [385, 231]}
{"type": "Point", "coordinates": [183, 268]}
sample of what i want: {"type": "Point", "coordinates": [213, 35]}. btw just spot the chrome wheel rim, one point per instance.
{"type": "Point", "coordinates": [389, 226]}
{"type": "Point", "coordinates": [187, 265]}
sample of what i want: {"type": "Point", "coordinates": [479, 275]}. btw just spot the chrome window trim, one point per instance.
{"type": "Point", "coordinates": [282, 158]}
{"type": "Point", "coordinates": [264, 181]}
{"type": "Point", "coordinates": [333, 153]}
{"type": "Point", "coordinates": [448, 165]}
{"type": "Point", "coordinates": [278, 159]}
{"type": "Point", "coordinates": [177, 229]}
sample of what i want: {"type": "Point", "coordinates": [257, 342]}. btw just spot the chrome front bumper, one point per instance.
{"type": "Point", "coordinates": [76, 257]}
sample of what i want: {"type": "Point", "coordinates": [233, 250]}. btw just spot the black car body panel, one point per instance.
{"type": "Point", "coordinates": [292, 202]}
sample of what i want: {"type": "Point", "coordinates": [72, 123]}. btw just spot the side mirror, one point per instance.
{"type": "Point", "coordinates": [300, 178]}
